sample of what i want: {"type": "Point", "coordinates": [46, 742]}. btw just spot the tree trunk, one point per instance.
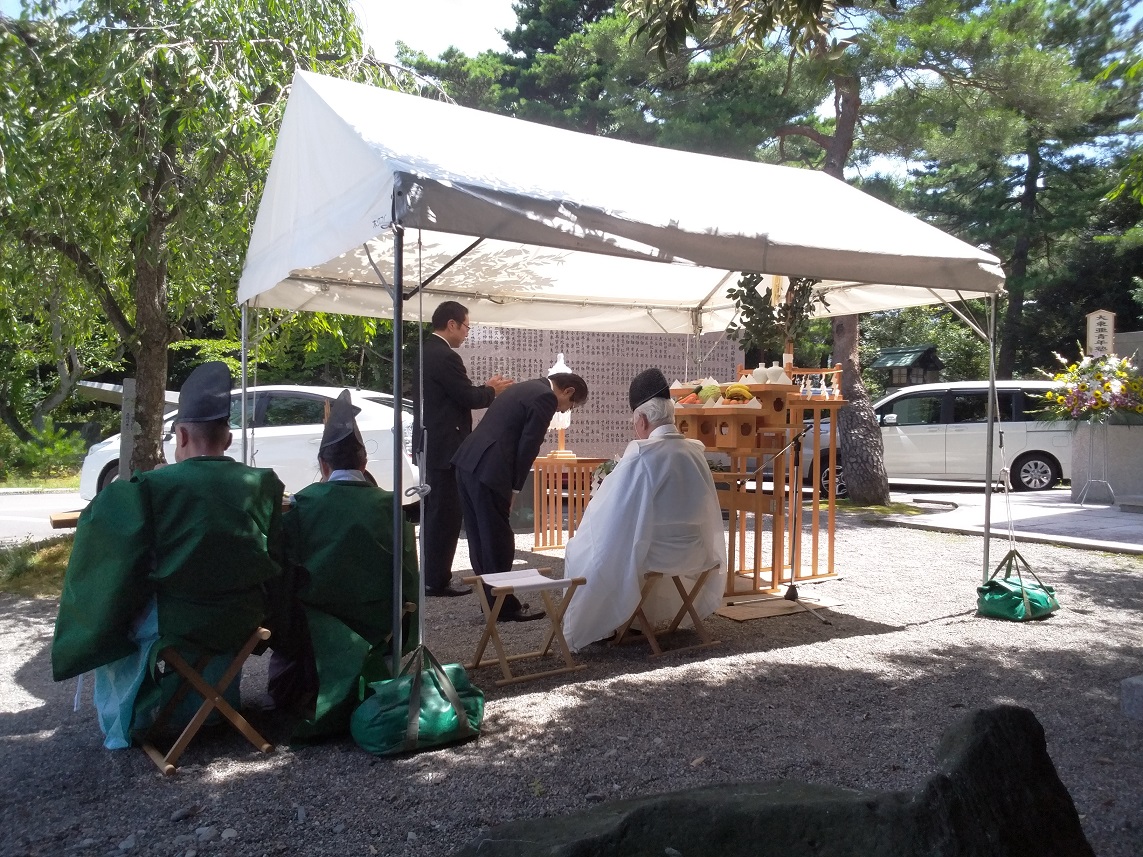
{"type": "Point", "coordinates": [1012, 330]}
{"type": "Point", "coordinates": [154, 336]}
{"type": "Point", "coordinates": [859, 436]}
{"type": "Point", "coordinates": [12, 420]}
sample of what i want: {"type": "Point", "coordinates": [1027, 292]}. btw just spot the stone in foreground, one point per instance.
{"type": "Point", "coordinates": [996, 794]}
{"type": "Point", "coordinates": [1131, 697]}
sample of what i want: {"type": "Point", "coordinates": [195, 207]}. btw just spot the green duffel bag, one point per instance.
{"type": "Point", "coordinates": [427, 705]}
{"type": "Point", "coordinates": [1015, 599]}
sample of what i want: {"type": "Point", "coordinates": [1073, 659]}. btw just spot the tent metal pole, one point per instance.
{"type": "Point", "coordinates": [398, 448]}
{"type": "Point", "coordinates": [242, 406]}
{"type": "Point", "coordinates": [991, 417]}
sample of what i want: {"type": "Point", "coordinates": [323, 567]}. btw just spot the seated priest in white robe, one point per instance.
{"type": "Point", "coordinates": [656, 511]}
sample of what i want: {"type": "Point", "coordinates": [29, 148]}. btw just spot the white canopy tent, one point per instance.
{"type": "Point", "coordinates": [566, 222]}
{"type": "Point", "coordinates": [533, 226]}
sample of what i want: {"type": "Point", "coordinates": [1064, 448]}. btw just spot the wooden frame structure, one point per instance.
{"type": "Point", "coordinates": [551, 477]}
{"type": "Point", "coordinates": [758, 438]}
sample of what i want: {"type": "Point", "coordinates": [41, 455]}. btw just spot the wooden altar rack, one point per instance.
{"type": "Point", "coordinates": [756, 436]}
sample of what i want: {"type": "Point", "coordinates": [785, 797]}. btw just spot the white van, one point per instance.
{"type": "Point", "coordinates": [938, 431]}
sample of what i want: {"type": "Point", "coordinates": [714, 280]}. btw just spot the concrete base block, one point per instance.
{"type": "Point", "coordinates": [1131, 697]}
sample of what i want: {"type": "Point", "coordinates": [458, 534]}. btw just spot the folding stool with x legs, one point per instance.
{"type": "Point", "coordinates": [650, 580]}
{"type": "Point", "coordinates": [518, 582]}
{"type": "Point", "coordinates": [212, 700]}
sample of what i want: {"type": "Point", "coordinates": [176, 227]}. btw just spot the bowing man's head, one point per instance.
{"type": "Point", "coordinates": [570, 390]}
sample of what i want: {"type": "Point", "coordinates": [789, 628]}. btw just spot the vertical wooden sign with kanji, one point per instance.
{"type": "Point", "coordinates": [1100, 333]}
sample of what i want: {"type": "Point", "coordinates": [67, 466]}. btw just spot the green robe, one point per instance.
{"type": "Point", "coordinates": [339, 549]}
{"type": "Point", "coordinates": [201, 536]}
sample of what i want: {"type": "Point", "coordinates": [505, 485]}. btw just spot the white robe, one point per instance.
{"type": "Point", "coordinates": [656, 511]}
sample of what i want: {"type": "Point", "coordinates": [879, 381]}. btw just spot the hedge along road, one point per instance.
{"type": "Point", "coordinates": [25, 515]}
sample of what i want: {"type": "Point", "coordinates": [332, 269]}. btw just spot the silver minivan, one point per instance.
{"type": "Point", "coordinates": [938, 431]}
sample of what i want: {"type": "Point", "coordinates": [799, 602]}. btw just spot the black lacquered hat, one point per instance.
{"type": "Point", "coordinates": [205, 395]}
{"type": "Point", "coordinates": [341, 423]}
{"type": "Point", "coordinates": [648, 384]}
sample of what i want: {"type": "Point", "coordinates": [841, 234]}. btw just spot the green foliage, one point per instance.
{"type": "Point", "coordinates": [336, 350]}
{"type": "Point", "coordinates": [767, 325]}
{"type": "Point", "coordinates": [669, 24]}
{"type": "Point", "coordinates": [598, 81]}
{"type": "Point", "coordinates": [35, 569]}
{"type": "Point", "coordinates": [1009, 107]}
{"type": "Point", "coordinates": [964, 354]}
{"type": "Point", "coordinates": [1094, 268]}
{"type": "Point", "coordinates": [229, 351]}
{"type": "Point", "coordinates": [136, 137]}
{"type": "Point", "coordinates": [51, 452]}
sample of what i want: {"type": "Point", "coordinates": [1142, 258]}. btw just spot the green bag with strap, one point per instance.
{"type": "Point", "coordinates": [427, 705]}
{"type": "Point", "coordinates": [1015, 599]}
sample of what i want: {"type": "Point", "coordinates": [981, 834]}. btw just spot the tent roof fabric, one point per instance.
{"type": "Point", "coordinates": [570, 230]}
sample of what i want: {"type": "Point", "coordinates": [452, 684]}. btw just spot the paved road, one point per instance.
{"type": "Point", "coordinates": [24, 516]}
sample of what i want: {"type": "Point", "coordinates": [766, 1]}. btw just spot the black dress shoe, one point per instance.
{"type": "Point", "coordinates": [449, 591]}
{"type": "Point", "coordinates": [520, 615]}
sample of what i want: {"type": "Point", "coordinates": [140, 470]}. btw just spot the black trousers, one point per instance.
{"type": "Point", "coordinates": [491, 543]}
{"type": "Point", "coordinates": [440, 526]}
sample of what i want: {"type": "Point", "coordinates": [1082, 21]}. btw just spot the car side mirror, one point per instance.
{"type": "Point", "coordinates": [889, 419]}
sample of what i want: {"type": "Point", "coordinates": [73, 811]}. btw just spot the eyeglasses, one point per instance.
{"type": "Point", "coordinates": [464, 324]}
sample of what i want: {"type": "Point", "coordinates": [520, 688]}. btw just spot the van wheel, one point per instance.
{"type": "Point", "coordinates": [110, 474]}
{"type": "Point", "coordinates": [1034, 471]}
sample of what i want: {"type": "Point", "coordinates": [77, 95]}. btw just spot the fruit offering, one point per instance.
{"type": "Point", "coordinates": [710, 392]}
{"type": "Point", "coordinates": [738, 393]}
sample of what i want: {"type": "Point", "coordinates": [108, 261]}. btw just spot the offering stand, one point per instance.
{"type": "Point", "coordinates": [757, 436]}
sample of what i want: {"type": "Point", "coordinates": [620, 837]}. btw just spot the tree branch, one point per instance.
{"type": "Point", "coordinates": [806, 131]}
{"type": "Point", "coordinates": [89, 272]}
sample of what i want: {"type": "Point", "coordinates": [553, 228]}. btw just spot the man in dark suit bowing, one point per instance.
{"type": "Point", "coordinates": [449, 400]}
{"type": "Point", "coordinates": [493, 462]}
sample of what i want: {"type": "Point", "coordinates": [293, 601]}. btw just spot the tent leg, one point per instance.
{"type": "Point", "coordinates": [398, 446]}
{"type": "Point", "coordinates": [991, 417]}
{"type": "Point", "coordinates": [242, 405]}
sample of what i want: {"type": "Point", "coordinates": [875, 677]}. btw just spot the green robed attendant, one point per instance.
{"type": "Point", "coordinates": [338, 539]}
{"type": "Point", "coordinates": [179, 556]}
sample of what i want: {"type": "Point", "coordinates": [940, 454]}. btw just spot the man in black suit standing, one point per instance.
{"type": "Point", "coordinates": [449, 400]}
{"type": "Point", "coordinates": [493, 462]}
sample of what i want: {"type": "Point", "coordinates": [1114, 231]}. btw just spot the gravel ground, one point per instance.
{"type": "Point", "coordinates": [860, 703]}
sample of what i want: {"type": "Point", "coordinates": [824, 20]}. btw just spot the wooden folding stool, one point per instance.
{"type": "Point", "coordinates": [213, 700]}
{"type": "Point", "coordinates": [650, 580]}
{"type": "Point", "coordinates": [518, 582]}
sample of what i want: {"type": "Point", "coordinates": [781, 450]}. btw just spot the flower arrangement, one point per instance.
{"type": "Point", "coordinates": [1095, 388]}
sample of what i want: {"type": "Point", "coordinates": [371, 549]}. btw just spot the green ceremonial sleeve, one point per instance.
{"type": "Point", "coordinates": [105, 586]}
